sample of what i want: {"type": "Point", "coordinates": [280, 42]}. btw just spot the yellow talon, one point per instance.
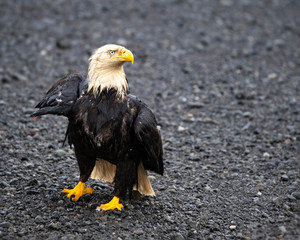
{"type": "Point", "coordinates": [114, 203]}
{"type": "Point", "coordinates": [78, 191]}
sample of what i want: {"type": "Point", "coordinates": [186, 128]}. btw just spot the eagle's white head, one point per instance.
{"type": "Point", "coordinates": [106, 69]}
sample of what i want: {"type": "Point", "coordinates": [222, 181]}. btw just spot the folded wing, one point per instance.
{"type": "Point", "coordinates": [148, 136]}
{"type": "Point", "coordinates": [61, 97]}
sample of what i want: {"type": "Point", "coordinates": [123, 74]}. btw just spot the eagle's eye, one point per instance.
{"type": "Point", "coordinates": [111, 52]}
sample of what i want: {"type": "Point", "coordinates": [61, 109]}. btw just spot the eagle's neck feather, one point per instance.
{"type": "Point", "coordinates": [112, 76]}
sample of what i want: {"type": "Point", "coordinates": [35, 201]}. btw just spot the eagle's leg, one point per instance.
{"type": "Point", "coordinates": [125, 178]}
{"type": "Point", "coordinates": [114, 203]}
{"type": "Point", "coordinates": [78, 191]}
{"type": "Point", "coordinates": [86, 165]}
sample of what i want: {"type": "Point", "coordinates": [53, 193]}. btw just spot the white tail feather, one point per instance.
{"type": "Point", "coordinates": [104, 170]}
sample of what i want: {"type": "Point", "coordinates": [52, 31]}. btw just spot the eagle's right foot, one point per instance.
{"type": "Point", "coordinates": [78, 191]}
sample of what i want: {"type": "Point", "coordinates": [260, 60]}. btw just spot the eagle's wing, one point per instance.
{"type": "Point", "coordinates": [62, 95]}
{"type": "Point", "coordinates": [148, 135]}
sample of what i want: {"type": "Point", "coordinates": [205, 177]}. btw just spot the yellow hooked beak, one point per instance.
{"type": "Point", "coordinates": [125, 55]}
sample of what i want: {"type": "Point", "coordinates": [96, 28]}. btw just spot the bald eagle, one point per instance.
{"type": "Point", "coordinates": [114, 134]}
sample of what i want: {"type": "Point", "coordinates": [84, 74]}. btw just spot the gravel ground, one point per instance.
{"type": "Point", "coordinates": [223, 79]}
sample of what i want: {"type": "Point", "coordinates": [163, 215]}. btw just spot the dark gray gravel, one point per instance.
{"type": "Point", "coordinates": [223, 78]}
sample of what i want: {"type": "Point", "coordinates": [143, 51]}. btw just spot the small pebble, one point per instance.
{"type": "Point", "coordinates": [60, 153]}
{"type": "Point", "coordinates": [282, 229]}
{"type": "Point", "coordinates": [63, 43]}
{"type": "Point", "coordinates": [4, 225]}
{"type": "Point", "coordinates": [266, 155]}
{"type": "Point", "coordinates": [139, 231]}
{"type": "Point", "coordinates": [277, 201]}
{"type": "Point", "coordinates": [284, 177]}
{"type": "Point", "coordinates": [296, 195]}
{"type": "Point", "coordinates": [52, 225]}
{"type": "Point", "coordinates": [177, 236]}
{"type": "Point", "coordinates": [272, 76]}
{"type": "Point", "coordinates": [180, 129]}
{"type": "Point", "coordinates": [232, 227]}
{"type": "Point", "coordinates": [55, 215]}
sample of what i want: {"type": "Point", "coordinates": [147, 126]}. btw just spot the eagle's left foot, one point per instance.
{"type": "Point", "coordinates": [114, 203]}
{"type": "Point", "coordinates": [78, 191]}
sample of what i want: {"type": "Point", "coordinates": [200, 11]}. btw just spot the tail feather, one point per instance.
{"type": "Point", "coordinates": [105, 171]}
